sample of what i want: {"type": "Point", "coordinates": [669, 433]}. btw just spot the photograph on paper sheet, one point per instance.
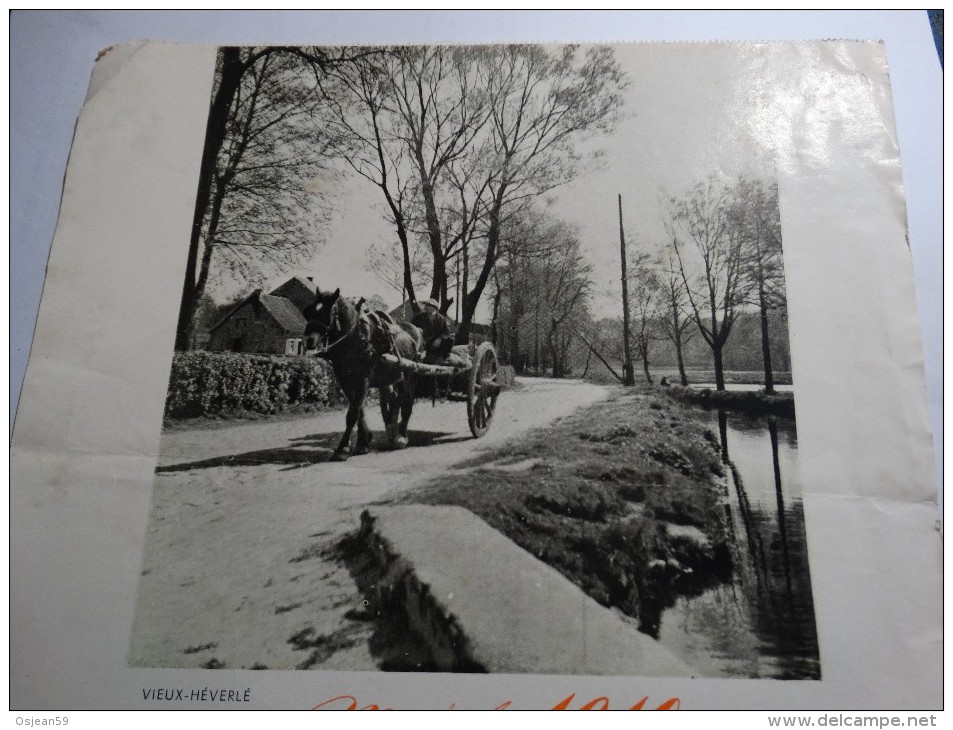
{"type": "Point", "coordinates": [483, 365]}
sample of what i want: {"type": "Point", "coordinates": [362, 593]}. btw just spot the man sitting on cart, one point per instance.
{"type": "Point", "coordinates": [439, 336]}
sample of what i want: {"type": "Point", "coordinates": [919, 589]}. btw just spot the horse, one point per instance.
{"type": "Point", "coordinates": [354, 340]}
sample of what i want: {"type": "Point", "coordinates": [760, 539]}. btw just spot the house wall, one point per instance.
{"type": "Point", "coordinates": [246, 331]}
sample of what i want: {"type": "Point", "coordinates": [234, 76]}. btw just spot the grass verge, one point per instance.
{"type": "Point", "coordinates": [625, 498]}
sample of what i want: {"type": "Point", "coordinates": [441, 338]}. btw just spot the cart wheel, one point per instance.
{"type": "Point", "coordinates": [483, 390]}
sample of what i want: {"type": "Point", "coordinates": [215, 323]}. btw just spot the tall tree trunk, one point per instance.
{"type": "Point", "coordinates": [494, 320]}
{"type": "Point", "coordinates": [515, 345]}
{"type": "Point", "coordinates": [438, 289]}
{"type": "Point", "coordinates": [514, 320]}
{"type": "Point", "coordinates": [232, 71]}
{"type": "Point", "coordinates": [677, 339]}
{"type": "Point", "coordinates": [209, 244]}
{"type": "Point", "coordinates": [627, 368]}
{"type": "Point", "coordinates": [645, 365]}
{"type": "Point", "coordinates": [405, 251]}
{"type": "Point", "coordinates": [719, 366]}
{"type": "Point", "coordinates": [765, 342]}
{"type": "Point", "coordinates": [681, 362]}
{"type": "Point", "coordinates": [465, 280]}
{"type": "Point", "coordinates": [717, 343]}
{"type": "Point", "coordinates": [536, 339]}
{"type": "Point", "coordinates": [585, 370]}
{"type": "Point", "coordinates": [472, 299]}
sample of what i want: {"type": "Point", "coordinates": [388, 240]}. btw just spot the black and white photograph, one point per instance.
{"type": "Point", "coordinates": [483, 364]}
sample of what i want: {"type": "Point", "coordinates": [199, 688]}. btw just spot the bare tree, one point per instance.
{"type": "Point", "coordinates": [441, 104]}
{"type": "Point", "coordinates": [230, 95]}
{"type": "Point", "coordinates": [458, 139]}
{"type": "Point", "coordinates": [402, 116]}
{"type": "Point", "coordinates": [709, 251]}
{"type": "Point", "coordinates": [647, 299]}
{"type": "Point", "coordinates": [264, 211]}
{"type": "Point", "coordinates": [543, 290]}
{"type": "Point", "coordinates": [542, 105]}
{"type": "Point", "coordinates": [756, 213]}
{"type": "Point", "coordinates": [518, 248]}
{"type": "Point", "coordinates": [361, 115]}
{"type": "Point", "coordinates": [387, 263]}
{"type": "Point", "coordinates": [675, 322]}
{"type": "Point", "coordinates": [566, 285]}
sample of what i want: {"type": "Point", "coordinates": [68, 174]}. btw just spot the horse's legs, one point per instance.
{"type": "Point", "coordinates": [387, 404]}
{"type": "Point", "coordinates": [355, 412]}
{"type": "Point", "coordinates": [383, 394]}
{"type": "Point", "coordinates": [389, 411]}
{"type": "Point", "coordinates": [407, 392]}
{"type": "Point", "coordinates": [364, 436]}
{"type": "Point", "coordinates": [344, 447]}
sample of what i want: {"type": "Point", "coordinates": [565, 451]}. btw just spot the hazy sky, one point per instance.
{"type": "Point", "coordinates": [688, 113]}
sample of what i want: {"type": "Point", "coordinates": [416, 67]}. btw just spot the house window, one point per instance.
{"type": "Point", "coordinates": [293, 346]}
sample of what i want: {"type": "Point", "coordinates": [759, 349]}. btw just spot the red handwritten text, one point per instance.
{"type": "Point", "coordinates": [349, 702]}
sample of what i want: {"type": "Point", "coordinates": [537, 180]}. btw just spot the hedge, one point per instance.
{"type": "Point", "coordinates": [204, 383]}
{"type": "Point", "coordinates": [208, 383]}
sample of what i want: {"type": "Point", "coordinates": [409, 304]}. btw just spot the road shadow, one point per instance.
{"type": "Point", "coordinates": [415, 438]}
{"type": "Point", "coordinates": [319, 450]}
{"type": "Point", "coordinates": [307, 451]}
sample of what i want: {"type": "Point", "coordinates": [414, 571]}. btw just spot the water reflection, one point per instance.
{"type": "Point", "coordinates": [761, 623]}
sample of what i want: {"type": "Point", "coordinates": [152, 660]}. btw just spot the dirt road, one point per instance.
{"type": "Point", "coordinates": [238, 570]}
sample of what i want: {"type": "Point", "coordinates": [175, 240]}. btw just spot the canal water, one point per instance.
{"type": "Point", "coordinates": [761, 624]}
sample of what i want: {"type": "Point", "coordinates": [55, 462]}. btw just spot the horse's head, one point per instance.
{"type": "Point", "coordinates": [322, 318]}
{"type": "Point", "coordinates": [330, 319]}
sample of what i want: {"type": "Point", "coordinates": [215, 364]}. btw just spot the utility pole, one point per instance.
{"type": "Point", "coordinates": [628, 374]}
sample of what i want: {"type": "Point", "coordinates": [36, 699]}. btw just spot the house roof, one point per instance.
{"type": "Point", "coordinates": [305, 281]}
{"type": "Point", "coordinates": [282, 310]}
{"type": "Point", "coordinates": [298, 289]}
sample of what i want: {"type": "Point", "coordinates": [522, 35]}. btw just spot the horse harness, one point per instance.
{"type": "Point", "coordinates": [326, 351]}
{"type": "Point", "coordinates": [376, 319]}
{"type": "Point", "coordinates": [380, 320]}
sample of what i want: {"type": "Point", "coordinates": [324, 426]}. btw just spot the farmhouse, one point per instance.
{"type": "Point", "coordinates": [265, 323]}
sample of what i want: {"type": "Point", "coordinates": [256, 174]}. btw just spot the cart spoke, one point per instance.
{"type": "Point", "coordinates": [483, 388]}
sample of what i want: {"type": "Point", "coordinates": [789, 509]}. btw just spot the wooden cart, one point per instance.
{"type": "Point", "coordinates": [478, 382]}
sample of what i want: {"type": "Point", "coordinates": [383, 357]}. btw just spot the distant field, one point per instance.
{"type": "Point", "coordinates": [599, 374]}
{"type": "Point", "coordinates": [741, 377]}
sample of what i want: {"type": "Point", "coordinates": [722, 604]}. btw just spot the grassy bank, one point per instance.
{"type": "Point", "coordinates": [625, 498]}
